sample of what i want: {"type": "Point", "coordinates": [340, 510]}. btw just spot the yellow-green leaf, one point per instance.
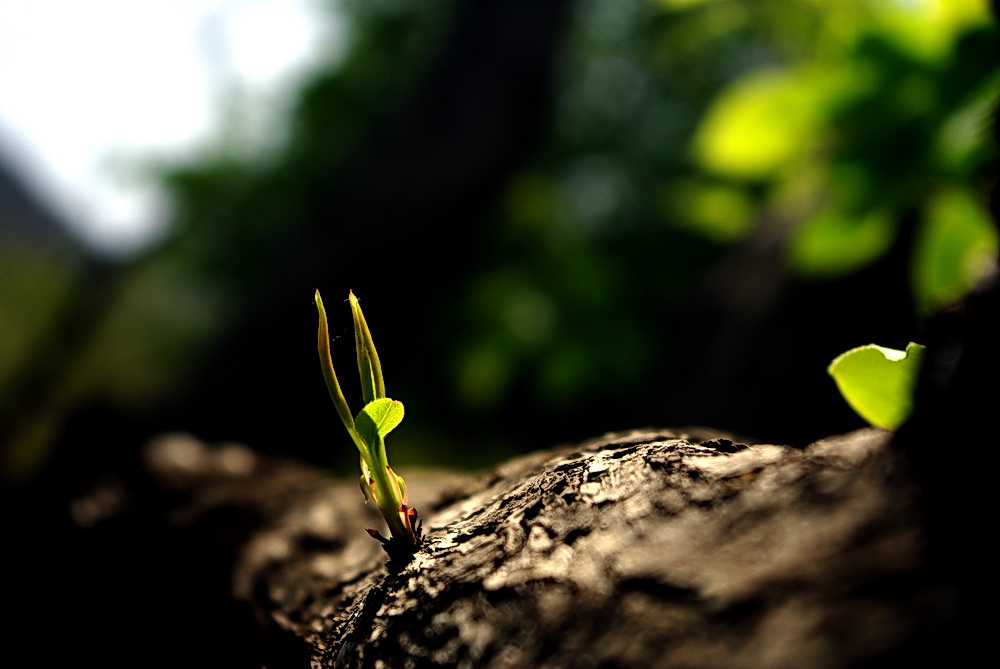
{"type": "Point", "coordinates": [379, 417]}
{"type": "Point", "coordinates": [878, 382]}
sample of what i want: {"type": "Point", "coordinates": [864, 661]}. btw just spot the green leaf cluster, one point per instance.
{"type": "Point", "coordinates": [879, 122]}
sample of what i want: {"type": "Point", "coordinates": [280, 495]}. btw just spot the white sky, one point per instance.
{"type": "Point", "coordinates": [90, 88]}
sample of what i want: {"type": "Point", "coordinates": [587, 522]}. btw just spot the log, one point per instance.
{"type": "Point", "coordinates": [647, 548]}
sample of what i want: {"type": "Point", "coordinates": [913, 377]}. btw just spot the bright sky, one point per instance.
{"type": "Point", "coordinates": [91, 88]}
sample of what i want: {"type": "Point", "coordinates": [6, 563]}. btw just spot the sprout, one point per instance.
{"type": "Point", "coordinates": [368, 429]}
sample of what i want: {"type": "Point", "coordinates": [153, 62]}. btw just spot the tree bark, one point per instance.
{"type": "Point", "coordinates": [650, 548]}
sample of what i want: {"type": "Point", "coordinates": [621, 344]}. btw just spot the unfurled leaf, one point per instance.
{"type": "Point", "coordinates": [379, 417]}
{"type": "Point", "coordinates": [878, 382]}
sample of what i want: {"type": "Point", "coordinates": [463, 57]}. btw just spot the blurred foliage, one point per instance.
{"type": "Point", "coordinates": [884, 114]}
{"type": "Point", "coordinates": [680, 129]}
{"type": "Point", "coordinates": [829, 120]}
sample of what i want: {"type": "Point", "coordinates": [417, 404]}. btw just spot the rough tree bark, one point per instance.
{"type": "Point", "coordinates": [652, 548]}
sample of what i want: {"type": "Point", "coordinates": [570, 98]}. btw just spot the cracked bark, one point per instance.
{"type": "Point", "coordinates": [651, 548]}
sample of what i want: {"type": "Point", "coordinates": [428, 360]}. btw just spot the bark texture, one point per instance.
{"type": "Point", "coordinates": [651, 548]}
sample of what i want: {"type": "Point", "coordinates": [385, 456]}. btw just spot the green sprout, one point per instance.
{"type": "Point", "coordinates": [368, 429]}
{"type": "Point", "coordinates": [878, 382]}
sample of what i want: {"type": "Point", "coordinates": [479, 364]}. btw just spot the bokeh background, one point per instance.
{"type": "Point", "coordinates": [562, 218]}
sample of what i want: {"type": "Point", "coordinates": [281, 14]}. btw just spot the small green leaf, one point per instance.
{"type": "Point", "coordinates": [379, 417]}
{"type": "Point", "coordinates": [878, 382]}
{"type": "Point", "coordinates": [402, 485]}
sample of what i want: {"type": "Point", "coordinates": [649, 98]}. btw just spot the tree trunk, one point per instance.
{"type": "Point", "coordinates": [651, 548]}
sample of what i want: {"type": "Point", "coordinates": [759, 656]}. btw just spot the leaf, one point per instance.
{"type": "Point", "coordinates": [763, 123]}
{"type": "Point", "coordinates": [326, 364]}
{"type": "Point", "coordinates": [956, 245]}
{"type": "Point", "coordinates": [837, 241]}
{"type": "Point", "coordinates": [369, 367]}
{"type": "Point", "coordinates": [379, 418]}
{"type": "Point", "coordinates": [878, 382]}
{"type": "Point", "coordinates": [366, 479]}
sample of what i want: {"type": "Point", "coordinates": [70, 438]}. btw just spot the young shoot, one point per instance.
{"type": "Point", "coordinates": [368, 429]}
